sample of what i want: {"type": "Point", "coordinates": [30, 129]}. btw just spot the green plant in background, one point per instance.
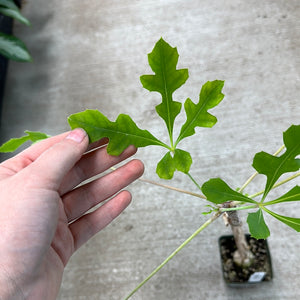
{"type": "Point", "coordinates": [10, 46]}
{"type": "Point", "coordinates": [224, 200]}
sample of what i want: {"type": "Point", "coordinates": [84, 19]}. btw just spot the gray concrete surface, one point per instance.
{"type": "Point", "coordinates": [90, 54]}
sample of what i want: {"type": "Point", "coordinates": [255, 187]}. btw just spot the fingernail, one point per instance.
{"type": "Point", "coordinates": [77, 135]}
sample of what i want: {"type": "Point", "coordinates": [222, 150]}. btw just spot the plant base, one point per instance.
{"type": "Point", "coordinates": [259, 271]}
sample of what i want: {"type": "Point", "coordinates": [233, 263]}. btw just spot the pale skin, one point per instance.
{"type": "Point", "coordinates": [43, 214]}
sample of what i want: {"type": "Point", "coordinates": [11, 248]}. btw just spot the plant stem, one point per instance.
{"type": "Point", "coordinates": [239, 208]}
{"type": "Point", "coordinates": [172, 188]}
{"type": "Point", "coordinates": [256, 173]}
{"type": "Point", "coordinates": [277, 184]}
{"type": "Point", "coordinates": [208, 222]}
{"type": "Point", "coordinates": [248, 181]}
{"type": "Point", "coordinates": [195, 182]}
{"type": "Point", "coordinates": [279, 150]}
{"type": "Point", "coordinates": [242, 256]}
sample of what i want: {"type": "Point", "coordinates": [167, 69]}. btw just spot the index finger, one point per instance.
{"type": "Point", "coordinates": [27, 156]}
{"type": "Point", "coordinates": [30, 154]}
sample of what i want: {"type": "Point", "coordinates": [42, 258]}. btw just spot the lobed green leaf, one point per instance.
{"type": "Point", "coordinates": [292, 195]}
{"type": "Point", "coordinates": [180, 161]}
{"type": "Point", "coordinates": [218, 192]}
{"type": "Point", "coordinates": [165, 168]}
{"type": "Point", "coordinates": [197, 115]}
{"type": "Point", "coordinates": [257, 226]}
{"type": "Point", "coordinates": [163, 61]}
{"type": "Point", "coordinates": [121, 133]}
{"type": "Point", "coordinates": [13, 48]}
{"type": "Point", "coordinates": [272, 166]}
{"type": "Point", "coordinates": [14, 143]}
{"type": "Point", "coordinates": [292, 222]}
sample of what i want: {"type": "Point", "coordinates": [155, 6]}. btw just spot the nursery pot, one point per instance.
{"type": "Point", "coordinates": [259, 271]}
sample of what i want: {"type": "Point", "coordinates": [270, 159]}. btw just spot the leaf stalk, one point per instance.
{"type": "Point", "coordinates": [194, 181]}
{"type": "Point", "coordinates": [201, 228]}
{"type": "Point", "coordinates": [239, 208]}
{"type": "Point", "coordinates": [172, 188]}
{"type": "Point", "coordinates": [248, 181]}
{"type": "Point", "coordinates": [276, 185]}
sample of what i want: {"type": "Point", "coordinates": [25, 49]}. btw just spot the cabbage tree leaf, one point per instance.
{"type": "Point", "coordinates": [257, 226]}
{"type": "Point", "coordinates": [272, 166]}
{"type": "Point", "coordinates": [14, 143]}
{"type": "Point", "coordinates": [197, 115]}
{"type": "Point", "coordinates": [292, 195]}
{"type": "Point", "coordinates": [121, 133]}
{"type": "Point", "coordinates": [218, 192]}
{"type": "Point", "coordinates": [292, 222]}
{"type": "Point", "coordinates": [180, 161]}
{"type": "Point", "coordinates": [163, 61]}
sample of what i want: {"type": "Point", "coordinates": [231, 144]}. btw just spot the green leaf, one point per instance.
{"type": "Point", "coordinates": [197, 115]}
{"type": "Point", "coordinates": [212, 209]}
{"type": "Point", "coordinates": [9, 4]}
{"type": "Point", "coordinates": [166, 167]}
{"type": "Point", "coordinates": [14, 13]}
{"type": "Point", "coordinates": [14, 143]}
{"type": "Point", "coordinates": [257, 226]}
{"type": "Point", "coordinates": [180, 161]}
{"type": "Point", "coordinates": [13, 48]}
{"type": "Point", "coordinates": [163, 61]}
{"type": "Point", "coordinates": [218, 192]}
{"type": "Point", "coordinates": [36, 136]}
{"type": "Point", "coordinates": [292, 222]}
{"type": "Point", "coordinates": [121, 133]}
{"type": "Point", "coordinates": [292, 195]}
{"type": "Point", "coordinates": [272, 166]}
{"type": "Point", "coordinates": [183, 160]}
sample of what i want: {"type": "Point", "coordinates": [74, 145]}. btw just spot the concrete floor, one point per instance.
{"type": "Point", "coordinates": [91, 56]}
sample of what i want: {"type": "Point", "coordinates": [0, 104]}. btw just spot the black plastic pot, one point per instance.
{"type": "Point", "coordinates": [259, 271]}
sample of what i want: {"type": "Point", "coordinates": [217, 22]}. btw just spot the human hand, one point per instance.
{"type": "Point", "coordinates": [42, 211]}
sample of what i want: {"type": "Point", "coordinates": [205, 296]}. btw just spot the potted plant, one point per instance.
{"type": "Point", "coordinates": [224, 200]}
{"type": "Point", "coordinates": [10, 46]}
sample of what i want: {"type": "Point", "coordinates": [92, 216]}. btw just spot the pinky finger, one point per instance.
{"type": "Point", "coordinates": [88, 225]}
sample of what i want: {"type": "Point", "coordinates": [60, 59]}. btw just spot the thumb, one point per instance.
{"type": "Point", "coordinates": [49, 169]}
